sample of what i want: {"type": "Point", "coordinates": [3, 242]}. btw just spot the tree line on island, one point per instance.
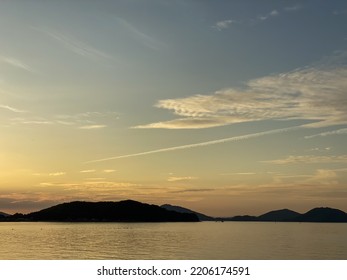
{"type": "Point", "coordinates": [134, 211]}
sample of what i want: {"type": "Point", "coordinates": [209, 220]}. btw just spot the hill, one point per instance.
{"type": "Point", "coordinates": [242, 218]}
{"type": "Point", "coordinates": [318, 215]}
{"type": "Point", "coordinates": [323, 215]}
{"type": "Point", "coordinates": [279, 215]}
{"type": "Point", "coordinates": [122, 211]}
{"type": "Point", "coordinates": [179, 209]}
{"type": "Point", "coordinates": [133, 211]}
{"type": "Point", "coordinates": [2, 214]}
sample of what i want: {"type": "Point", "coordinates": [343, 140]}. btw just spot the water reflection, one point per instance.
{"type": "Point", "coordinates": [206, 240]}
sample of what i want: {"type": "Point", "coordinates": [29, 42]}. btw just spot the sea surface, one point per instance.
{"type": "Point", "coordinates": [173, 241]}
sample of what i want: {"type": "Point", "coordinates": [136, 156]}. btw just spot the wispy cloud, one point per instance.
{"type": "Point", "coordinates": [86, 120]}
{"type": "Point", "coordinates": [224, 24]}
{"type": "Point", "coordinates": [76, 46]}
{"type": "Point", "coordinates": [14, 62]}
{"type": "Point", "coordinates": [293, 8]}
{"type": "Point", "coordinates": [307, 159]}
{"type": "Point", "coordinates": [326, 149]}
{"type": "Point", "coordinates": [317, 94]}
{"type": "Point", "coordinates": [12, 109]}
{"type": "Point", "coordinates": [56, 174]}
{"type": "Point", "coordinates": [323, 176]}
{"type": "Point", "coordinates": [201, 144]}
{"type": "Point", "coordinates": [96, 179]}
{"type": "Point", "coordinates": [273, 13]}
{"type": "Point", "coordinates": [340, 12]}
{"type": "Point", "coordinates": [93, 126]}
{"type": "Point", "coordinates": [30, 121]}
{"type": "Point", "coordinates": [109, 170]}
{"type": "Point", "coordinates": [328, 133]}
{"type": "Point", "coordinates": [88, 171]}
{"type": "Point", "coordinates": [142, 37]}
{"type": "Point", "coordinates": [239, 173]}
{"type": "Point", "coordinates": [184, 178]}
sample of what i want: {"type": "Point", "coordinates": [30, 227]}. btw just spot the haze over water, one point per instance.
{"type": "Point", "coordinates": [205, 240]}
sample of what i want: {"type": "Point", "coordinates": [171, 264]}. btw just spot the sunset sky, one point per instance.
{"type": "Point", "coordinates": [224, 107]}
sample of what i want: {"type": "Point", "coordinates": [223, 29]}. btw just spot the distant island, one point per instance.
{"type": "Point", "coordinates": [122, 211]}
{"type": "Point", "coordinates": [316, 215]}
{"type": "Point", "coordinates": [134, 211]}
{"type": "Point", "coordinates": [319, 215]}
{"type": "Point", "coordinates": [2, 215]}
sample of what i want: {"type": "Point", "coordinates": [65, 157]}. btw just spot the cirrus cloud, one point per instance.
{"type": "Point", "coordinates": [310, 159]}
{"type": "Point", "coordinates": [223, 24]}
{"type": "Point", "coordinates": [184, 178]}
{"type": "Point", "coordinates": [316, 94]}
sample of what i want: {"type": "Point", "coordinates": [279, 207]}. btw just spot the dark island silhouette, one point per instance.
{"type": "Point", "coordinates": [3, 215]}
{"type": "Point", "coordinates": [282, 215]}
{"type": "Point", "coordinates": [319, 215]}
{"type": "Point", "coordinates": [122, 211]}
{"type": "Point", "coordinates": [279, 215]}
{"type": "Point", "coordinates": [134, 211]}
{"type": "Point", "coordinates": [179, 209]}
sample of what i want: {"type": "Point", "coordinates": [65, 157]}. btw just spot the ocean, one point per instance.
{"type": "Point", "coordinates": [173, 241]}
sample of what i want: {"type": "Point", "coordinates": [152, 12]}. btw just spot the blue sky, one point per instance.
{"type": "Point", "coordinates": [226, 107]}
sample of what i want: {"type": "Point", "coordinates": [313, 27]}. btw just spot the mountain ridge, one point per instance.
{"type": "Point", "coordinates": [318, 215]}
{"type": "Point", "coordinates": [4, 214]}
{"type": "Point", "coordinates": [105, 211]}
{"type": "Point", "coordinates": [202, 217]}
{"type": "Point", "coordinates": [134, 211]}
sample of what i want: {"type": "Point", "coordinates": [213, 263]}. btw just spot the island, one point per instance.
{"type": "Point", "coordinates": [106, 211]}
{"type": "Point", "coordinates": [134, 211]}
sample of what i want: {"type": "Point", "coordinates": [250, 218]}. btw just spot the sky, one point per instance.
{"type": "Point", "coordinates": [223, 107]}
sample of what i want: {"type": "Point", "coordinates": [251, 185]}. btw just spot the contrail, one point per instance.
{"type": "Point", "coordinates": [201, 144]}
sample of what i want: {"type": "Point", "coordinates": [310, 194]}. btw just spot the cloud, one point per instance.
{"type": "Point", "coordinates": [321, 177]}
{"type": "Point", "coordinates": [88, 171]}
{"type": "Point", "coordinates": [16, 63]}
{"type": "Point", "coordinates": [86, 120]}
{"type": "Point", "coordinates": [320, 149]}
{"type": "Point", "coordinates": [224, 24]}
{"type": "Point", "coordinates": [109, 170]}
{"type": "Point", "coordinates": [328, 133]}
{"type": "Point", "coordinates": [186, 178]}
{"type": "Point", "coordinates": [324, 176]}
{"type": "Point", "coordinates": [309, 159]}
{"type": "Point", "coordinates": [195, 190]}
{"type": "Point", "coordinates": [292, 8]}
{"type": "Point", "coordinates": [76, 46]}
{"type": "Point", "coordinates": [30, 121]}
{"type": "Point", "coordinates": [12, 109]}
{"type": "Point", "coordinates": [339, 12]}
{"type": "Point", "coordinates": [201, 144]}
{"type": "Point", "coordinates": [56, 174]}
{"type": "Point", "coordinates": [273, 13]}
{"type": "Point", "coordinates": [98, 179]}
{"type": "Point", "coordinates": [316, 94]}
{"type": "Point", "coordinates": [239, 173]}
{"type": "Point", "coordinates": [93, 126]}
{"type": "Point", "coordinates": [36, 122]}
{"type": "Point", "coordinates": [142, 37]}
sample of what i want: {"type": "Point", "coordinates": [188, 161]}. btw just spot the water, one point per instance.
{"type": "Point", "coordinates": [173, 241]}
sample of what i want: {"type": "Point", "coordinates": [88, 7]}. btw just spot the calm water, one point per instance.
{"type": "Point", "coordinates": [205, 240]}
